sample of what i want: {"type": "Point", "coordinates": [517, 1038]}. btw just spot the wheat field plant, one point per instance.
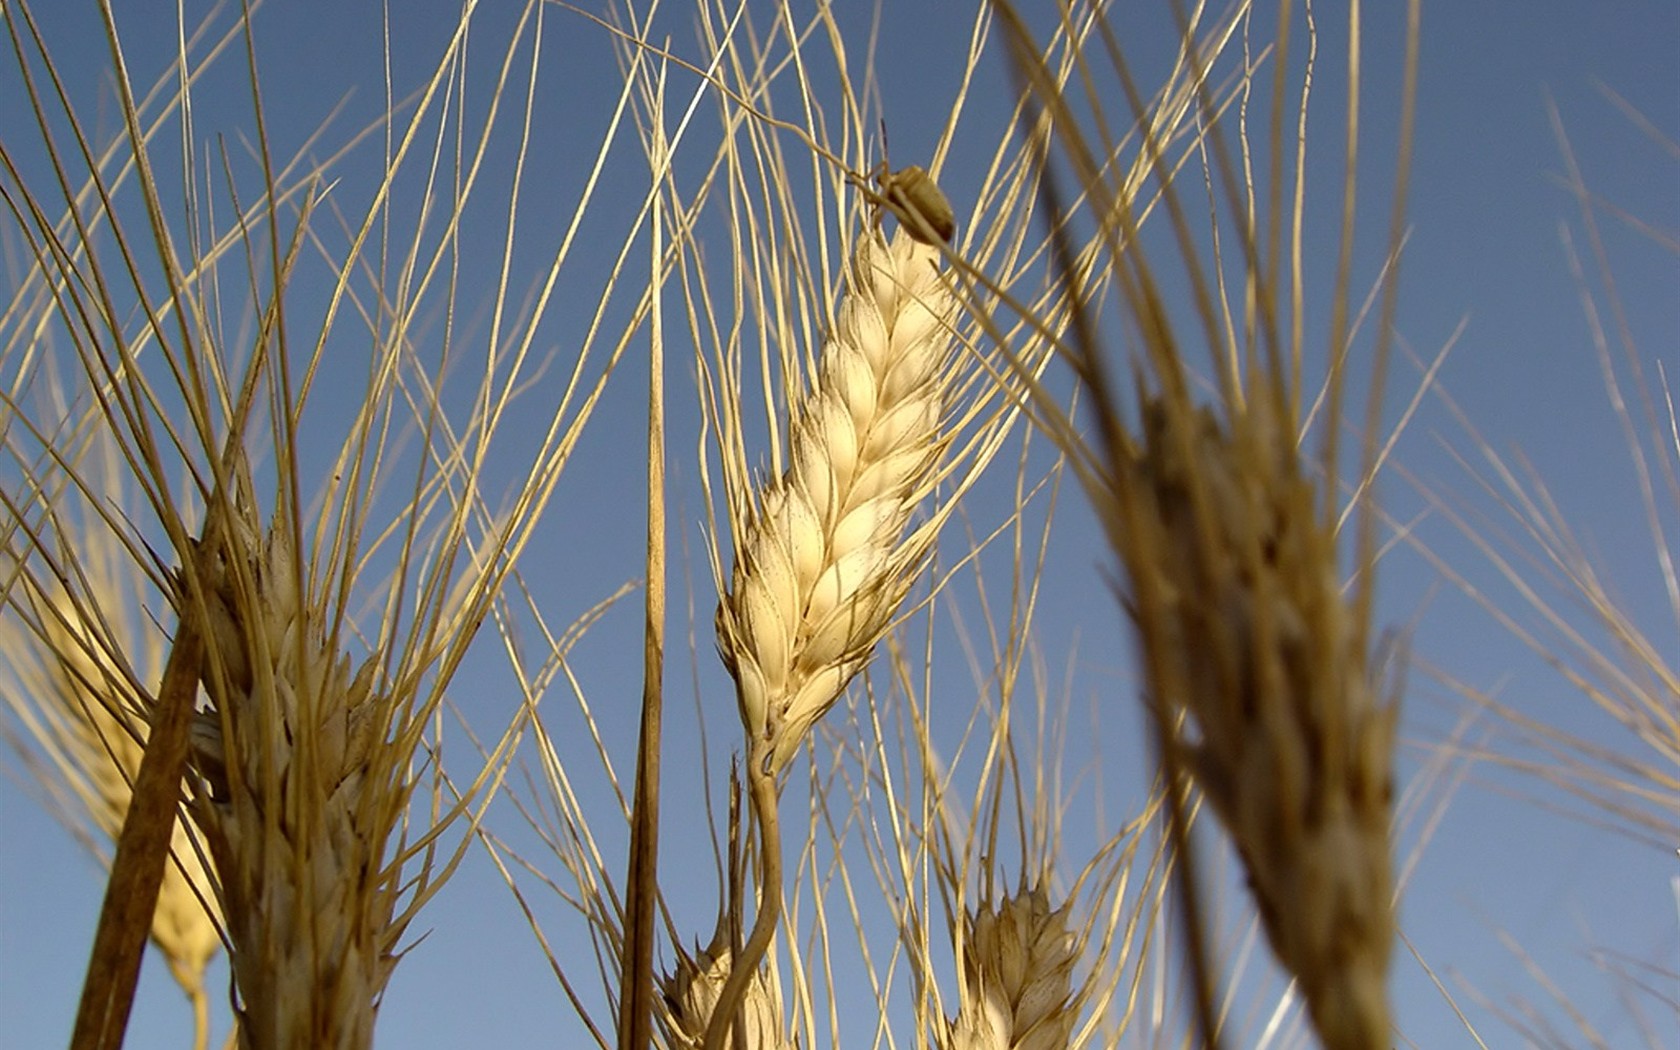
{"type": "Point", "coordinates": [1259, 670]}
{"type": "Point", "coordinates": [886, 399]}
{"type": "Point", "coordinates": [746, 523]}
{"type": "Point", "coordinates": [322, 607]}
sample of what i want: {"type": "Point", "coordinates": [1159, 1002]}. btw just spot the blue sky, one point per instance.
{"type": "Point", "coordinates": [1485, 252]}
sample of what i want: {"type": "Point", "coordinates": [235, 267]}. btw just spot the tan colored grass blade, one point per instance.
{"type": "Point", "coordinates": [142, 854]}
{"type": "Point", "coordinates": [636, 977]}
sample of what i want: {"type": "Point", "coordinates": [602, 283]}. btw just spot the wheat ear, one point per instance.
{"type": "Point", "coordinates": [1246, 628]}
{"type": "Point", "coordinates": [86, 726]}
{"type": "Point", "coordinates": [1017, 977]}
{"type": "Point", "coordinates": [824, 561]}
{"type": "Point", "coordinates": [297, 804]}
{"type": "Point", "coordinates": [691, 995]}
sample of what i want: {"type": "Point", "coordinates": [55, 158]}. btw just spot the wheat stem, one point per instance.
{"type": "Point", "coordinates": [762, 787]}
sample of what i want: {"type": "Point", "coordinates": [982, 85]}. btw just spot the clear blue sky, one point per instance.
{"type": "Point", "coordinates": [1485, 251]}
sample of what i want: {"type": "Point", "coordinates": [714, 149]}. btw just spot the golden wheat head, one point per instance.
{"type": "Point", "coordinates": [824, 562]}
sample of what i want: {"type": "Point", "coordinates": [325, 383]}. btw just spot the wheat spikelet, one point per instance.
{"type": "Point", "coordinates": [292, 806]}
{"type": "Point", "coordinates": [1248, 630]}
{"type": "Point", "coordinates": [691, 993]}
{"type": "Point", "coordinates": [824, 562]}
{"type": "Point", "coordinates": [1017, 977]}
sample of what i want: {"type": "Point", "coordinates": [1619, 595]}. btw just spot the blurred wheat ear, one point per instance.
{"type": "Point", "coordinates": [77, 715]}
{"type": "Point", "coordinates": [1259, 670]}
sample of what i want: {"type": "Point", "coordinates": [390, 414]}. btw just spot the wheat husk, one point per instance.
{"type": "Point", "coordinates": [292, 807]}
{"type": "Point", "coordinates": [690, 995]}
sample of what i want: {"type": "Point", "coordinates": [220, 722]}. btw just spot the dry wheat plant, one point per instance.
{"type": "Point", "coordinates": [1259, 663]}
{"type": "Point", "coordinates": [284, 516]}
{"type": "Point", "coordinates": [874, 358]}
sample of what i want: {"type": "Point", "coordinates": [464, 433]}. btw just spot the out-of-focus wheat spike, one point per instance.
{"type": "Point", "coordinates": [1292, 739]}
{"type": "Point", "coordinates": [824, 562]}
{"type": "Point", "coordinates": [1017, 977]}
{"type": "Point", "coordinates": [112, 742]}
{"type": "Point", "coordinates": [86, 732]}
{"type": "Point", "coordinates": [1257, 663]}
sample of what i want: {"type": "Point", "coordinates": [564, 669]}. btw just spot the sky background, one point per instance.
{"type": "Point", "coordinates": [1485, 255]}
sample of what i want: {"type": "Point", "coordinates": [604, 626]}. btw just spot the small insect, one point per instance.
{"type": "Point", "coordinates": [916, 201]}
